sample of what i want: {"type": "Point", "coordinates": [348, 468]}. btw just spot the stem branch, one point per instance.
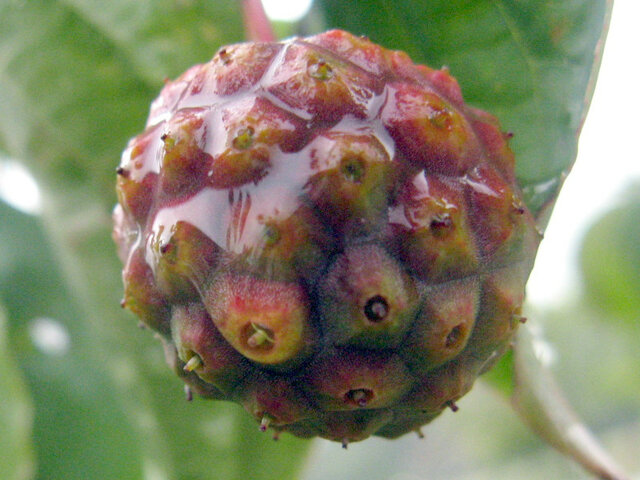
{"type": "Point", "coordinates": [256, 24]}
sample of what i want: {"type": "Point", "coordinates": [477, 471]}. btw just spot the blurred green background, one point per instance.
{"type": "Point", "coordinates": [86, 394]}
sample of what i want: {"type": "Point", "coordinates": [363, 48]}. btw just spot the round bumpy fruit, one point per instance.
{"type": "Point", "coordinates": [325, 233]}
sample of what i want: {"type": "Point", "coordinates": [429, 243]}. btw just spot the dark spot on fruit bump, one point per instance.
{"type": "Point", "coordinates": [123, 172]}
{"type": "Point", "coordinates": [271, 234]}
{"type": "Point", "coordinates": [224, 56]}
{"type": "Point", "coordinates": [257, 337]}
{"type": "Point", "coordinates": [441, 224]}
{"type": "Point", "coordinates": [244, 138]}
{"type": "Point", "coordinates": [359, 397]}
{"type": "Point", "coordinates": [456, 334]}
{"type": "Point", "coordinates": [452, 405]}
{"type": "Point", "coordinates": [352, 169]}
{"type": "Point", "coordinates": [440, 118]}
{"type": "Point", "coordinates": [164, 136]}
{"type": "Point", "coordinates": [376, 309]}
{"type": "Point", "coordinates": [320, 70]}
{"type": "Point", "coordinates": [167, 248]}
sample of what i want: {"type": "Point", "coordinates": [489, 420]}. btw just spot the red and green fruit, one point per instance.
{"type": "Point", "coordinates": [325, 233]}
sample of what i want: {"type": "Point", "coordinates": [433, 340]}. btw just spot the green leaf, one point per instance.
{"type": "Point", "coordinates": [541, 404]}
{"type": "Point", "coordinates": [531, 63]}
{"type": "Point", "coordinates": [610, 261]}
{"type": "Point", "coordinates": [16, 415]}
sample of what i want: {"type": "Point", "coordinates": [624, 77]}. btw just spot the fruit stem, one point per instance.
{"type": "Point", "coordinates": [256, 24]}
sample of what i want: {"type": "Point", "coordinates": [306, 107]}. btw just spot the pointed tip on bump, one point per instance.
{"type": "Point", "coordinates": [188, 394]}
{"type": "Point", "coordinates": [419, 433]}
{"type": "Point", "coordinates": [452, 405]}
{"type": "Point", "coordinates": [193, 363]}
{"type": "Point", "coordinates": [260, 337]}
{"type": "Point", "coordinates": [276, 436]}
{"type": "Point", "coordinates": [123, 303]}
{"type": "Point", "coordinates": [264, 423]}
{"type": "Point", "coordinates": [345, 443]}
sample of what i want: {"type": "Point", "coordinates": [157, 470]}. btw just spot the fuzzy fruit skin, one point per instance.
{"type": "Point", "coordinates": [325, 233]}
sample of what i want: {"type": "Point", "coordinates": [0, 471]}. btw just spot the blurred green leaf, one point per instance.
{"type": "Point", "coordinates": [610, 260]}
{"type": "Point", "coordinates": [531, 63]}
{"type": "Point", "coordinates": [79, 422]}
{"type": "Point", "coordinates": [16, 451]}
